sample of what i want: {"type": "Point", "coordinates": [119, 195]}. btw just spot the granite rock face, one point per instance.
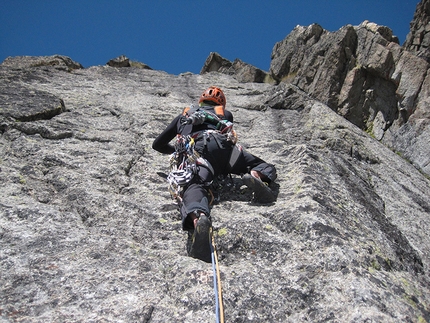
{"type": "Point", "coordinates": [364, 75]}
{"type": "Point", "coordinates": [89, 232]}
{"type": "Point", "coordinates": [241, 71]}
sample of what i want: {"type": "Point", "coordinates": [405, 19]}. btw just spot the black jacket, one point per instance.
{"type": "Point", "coordinates": [162, 142]}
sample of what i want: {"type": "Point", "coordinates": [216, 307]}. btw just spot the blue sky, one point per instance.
{"type": "Point", "coordinates": [177, 36]}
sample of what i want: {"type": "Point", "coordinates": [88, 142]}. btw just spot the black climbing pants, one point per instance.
{"type": "Point", "coordinates": [195, 197]}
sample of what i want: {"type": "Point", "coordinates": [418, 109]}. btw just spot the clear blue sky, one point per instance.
{"type": "Point", "coordinates": [177, 35]}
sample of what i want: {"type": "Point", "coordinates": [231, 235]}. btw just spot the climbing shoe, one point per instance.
{"type": "Point", "coordinates": [200, 246]}
{"type": "Point", "coordinates": [262, 192]}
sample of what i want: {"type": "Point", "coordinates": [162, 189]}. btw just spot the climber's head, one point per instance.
{"type": "Point", "coordinates": [213, 94]}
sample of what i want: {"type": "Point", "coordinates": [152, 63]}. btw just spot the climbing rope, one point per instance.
{"type": "Point", "coordinates": [219, 308]}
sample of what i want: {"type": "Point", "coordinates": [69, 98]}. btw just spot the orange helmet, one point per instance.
{"type": "Point", "coordinates": [213, 94]}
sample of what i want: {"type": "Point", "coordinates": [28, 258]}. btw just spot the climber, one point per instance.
{"type": "Point", "coordinates": [205, 149]}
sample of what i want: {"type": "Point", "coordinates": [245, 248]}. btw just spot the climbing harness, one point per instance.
{"type": "Point", "coordinates": [185, 161]}
{"type": "Point", "coordinates": [219, 307]}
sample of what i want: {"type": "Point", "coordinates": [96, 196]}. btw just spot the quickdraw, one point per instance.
{"type": "Point", "coordinates": [183, 165]}
{"type": "Point", "coordinates": [185, 161]}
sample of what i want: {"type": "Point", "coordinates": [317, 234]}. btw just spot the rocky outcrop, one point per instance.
{"type": "Point", "coordinates": [241, 71]}
{"type": "Point", "coordinates": [124, 61]}
{"type": "Point", "coordinates": [216, 63]}
{"type": "Point", "coordinates": [58, 61]}
{"type": "Point", "coordinates": [363, 74]}
{"type": "Point", "coordinates": [24, 104]}
{"type": "Point", "coordinates": [89, 232]}
{"type": "Point", "coordinates": [334, 67]}
{"type": "Point", "coordinates": [120, 61]}
{"type": "Point", "coordinates": [418, 39]}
